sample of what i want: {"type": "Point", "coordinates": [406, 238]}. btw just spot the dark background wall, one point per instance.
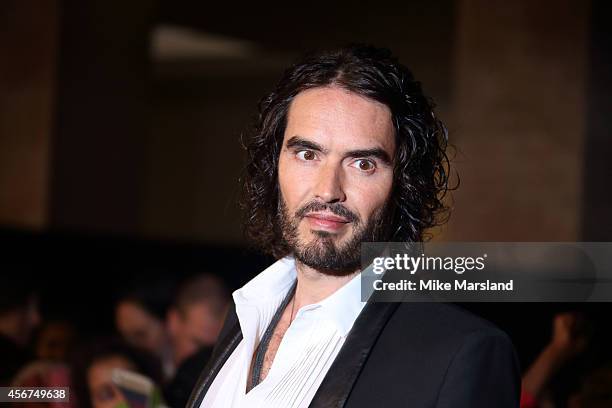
{"type": "Point", "coordinates": [139, 135]}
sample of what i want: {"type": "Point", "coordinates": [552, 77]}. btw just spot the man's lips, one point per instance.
{"type": "Point", "coordinates": [327, 217]}
{"type": "Point", "coordinates": [326, 221]}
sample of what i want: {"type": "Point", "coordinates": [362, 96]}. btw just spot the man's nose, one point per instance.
{"type": "Point", "coordinates": [329, 187]}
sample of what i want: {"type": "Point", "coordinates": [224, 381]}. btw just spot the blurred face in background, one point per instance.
{"type": "Point", "coordinates": [193, 327]}
{"type": "Point", "coordinates": [19, 323]}
{"type": "Point", "coordinates": [55, 340]}
{"type": "Point", "coordinates": [140, 328]}
{"type": "Point", "coordinates": [104, 394]}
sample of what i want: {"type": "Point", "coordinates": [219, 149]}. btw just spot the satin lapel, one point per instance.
{"type": "Point", "coordinates": [222, 353]}
{"type": "Point", "coordinates": [345, 369]}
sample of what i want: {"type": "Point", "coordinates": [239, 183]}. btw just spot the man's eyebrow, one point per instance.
{"type": "Point", "coordinates": [375, 152]}
{"type": "Point", "coordinates": [297, 141]}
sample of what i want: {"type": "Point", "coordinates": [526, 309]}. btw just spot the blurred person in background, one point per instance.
{"type": "Point", "coordinates": [197, 315]}
{"type": "Point", "coordinates": [54, 340]}
{"type": "Point", "coordinates": [53, 343]}
{"type": "Point", "coordinates": [140, 318]}
{"type": "Point", "coordinates": [570, 337]}
{"type": "Point", "coordinates": [194, 320]}
{"type": "Point", "coordinates": [92, 371]}
{"type": "Point", "coordinates": [48, 374]}
{"type": "Point", "coordinates": [19, 316]}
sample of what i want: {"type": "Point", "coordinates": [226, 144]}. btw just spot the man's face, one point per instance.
{"type": "Point", "coordinates": [335, 176]}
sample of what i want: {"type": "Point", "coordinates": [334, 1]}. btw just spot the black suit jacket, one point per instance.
{"type": "Point", "coordinates": [416, 355]}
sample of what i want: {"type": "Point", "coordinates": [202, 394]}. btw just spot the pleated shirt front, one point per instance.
{"type": "Point", "coordinates": [307, 350]}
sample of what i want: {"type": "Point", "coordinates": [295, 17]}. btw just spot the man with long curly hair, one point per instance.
{"type": "Point", "coordinates": [346, 150]}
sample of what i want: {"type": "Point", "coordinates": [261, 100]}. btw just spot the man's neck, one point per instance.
{"type": "Point", "coordinates": [314, 286]}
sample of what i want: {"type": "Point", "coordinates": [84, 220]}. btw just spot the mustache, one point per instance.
{"type": "Point", "coordinates": [335, 208]}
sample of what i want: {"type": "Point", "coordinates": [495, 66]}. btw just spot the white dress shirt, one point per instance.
{"type": "Point", "coordinates": [307, 350]}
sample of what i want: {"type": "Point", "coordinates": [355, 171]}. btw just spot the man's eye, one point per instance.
{"type": "Point", "coordinates": [306, 155]}
{"type": "Point", "coordinates": [364, 165]}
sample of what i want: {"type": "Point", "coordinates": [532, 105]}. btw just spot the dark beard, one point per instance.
{"type": "Point", "coordinates": [322, 253]}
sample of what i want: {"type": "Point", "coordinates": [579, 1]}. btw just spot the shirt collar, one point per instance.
{"type": "Point", "coordinates": [344, 305]}
{"type": "Point", "coordinates": [266, 287]}
{"type": "Point", "coordinates": [340, 308]}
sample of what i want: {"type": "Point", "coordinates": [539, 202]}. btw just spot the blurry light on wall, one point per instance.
{"type": "Point", "coordinates": [178, 43]}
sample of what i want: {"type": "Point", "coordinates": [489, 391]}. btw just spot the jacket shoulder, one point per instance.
{"type": "Point", "coordinates": [442, 320]}
{"type": "Point", "coordinates": [438, 355]}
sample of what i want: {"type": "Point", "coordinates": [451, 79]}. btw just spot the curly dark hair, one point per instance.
{"type": "Point", "coordinates": [421, 166]}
